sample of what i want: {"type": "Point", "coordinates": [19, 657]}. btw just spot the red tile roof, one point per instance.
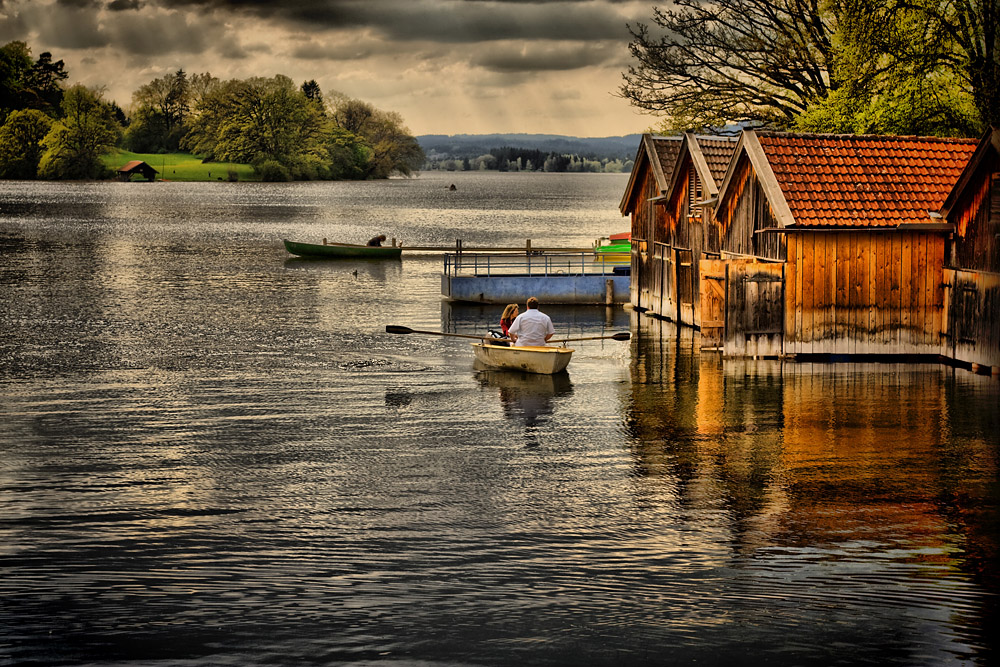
{"type": "Point", "coordinates": [667, 149]}
{"type": "Point", "coordinates": [657, 154]}
{"type": "Point", "coordinates": [718, 151]}
{"type": "Point", "coordinates": [859, 180]}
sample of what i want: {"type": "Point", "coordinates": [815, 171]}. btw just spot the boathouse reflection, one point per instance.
{"type": "Point", "coordinates": [899, 460]}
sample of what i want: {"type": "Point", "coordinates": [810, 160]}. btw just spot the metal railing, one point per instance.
{"type": "Point", "coordinates": [540, 265]}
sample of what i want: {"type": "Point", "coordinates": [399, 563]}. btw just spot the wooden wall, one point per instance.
{"type": "Point", "coordinates": [973, 307]}
{"type": "Point", "coordinates": [864, 292]}
{"type": "Point", "coordinates": [976, 217]}
{"type": "Point", "coordinates": [676, 291]}
{"type": "Point", "coordinates": [744, 212]}
{"type": "Point", "coordinates": [754, 314]}
{"type": "Point", "coordinates": [645, 217]}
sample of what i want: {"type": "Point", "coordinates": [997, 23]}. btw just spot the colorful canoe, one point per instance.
{"type": "Point", "coordinates": [542, 360]}
{"type": "Point", "coordinates": [614, 252]}
{"type": "Point", "coordinates": [345, 250]}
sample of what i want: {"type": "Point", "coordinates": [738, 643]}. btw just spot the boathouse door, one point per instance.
{"type": "Point", "coordinates": [755, 308]}
{"type": "Point", "coordinates": [713, 302]}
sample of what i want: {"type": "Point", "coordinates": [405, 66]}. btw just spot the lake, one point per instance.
{"type": "Point", "coordinates": [214, 454]}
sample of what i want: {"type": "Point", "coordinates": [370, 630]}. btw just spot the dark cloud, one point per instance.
{"type": "Point", "coordinates": [338, 50]}
{"type": "Point", "coordinates": [542, 57]}
{"type": "Point", "coordinates": [439, 20]}
{"type": "Point", "coordinates": [124, 5]}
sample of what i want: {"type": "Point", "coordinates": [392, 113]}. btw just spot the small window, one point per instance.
{"type": "Point", "coordinates": [694, 194]}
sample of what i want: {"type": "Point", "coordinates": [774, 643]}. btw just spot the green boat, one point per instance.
{"type": "Point", "coordinates": [614, 252]}
{"type": "Point", "coordinates": [344, 250]}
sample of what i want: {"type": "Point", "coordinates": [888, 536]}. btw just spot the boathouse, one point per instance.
{"type": "Point", "coordinates": [833, 244]}
{"type": "Point", "coordinates": [130, 169]}
{"type": "Point", "coordinates": [972, 210]}
{"type": "Point", "coordinates": [649, 180]}
{"type": "Point", "coordinates": [687, 234]}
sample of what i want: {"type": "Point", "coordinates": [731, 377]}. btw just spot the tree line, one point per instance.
{"type": "Point", "coordinates": [285, 131]}
{"type": "Point", "coordinates": [918, 67]}
{"type": "Point", "coordinates": [508, 158]}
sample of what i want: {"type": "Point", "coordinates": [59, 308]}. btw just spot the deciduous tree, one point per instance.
{"type": "Point", "coordinates": [21, 143]}
{"type": "Point", "coordinates": [160, 109]}
{"type": "Point", "coordinates": [75, 144]}
{"type": "Point", "coordinates": [752, 61]}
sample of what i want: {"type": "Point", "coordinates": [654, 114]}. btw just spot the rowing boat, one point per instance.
{"type": "Point", "coordinates": [347, 250]}
{"type": "Point", "coordinates": [543, 360]}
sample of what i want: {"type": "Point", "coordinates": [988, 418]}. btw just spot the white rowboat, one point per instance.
{"type": "Point", "coordinates": [543, 360]}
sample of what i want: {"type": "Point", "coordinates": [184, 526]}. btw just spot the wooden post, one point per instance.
{"type": "Point", "coordinates": [324, 240]}
{"type": "Point", "coordinates": [458, 246]}
{"type": "Point", "coordinates": [527, 247]}
{"type": "Point", "coordinates": [609, 291]}
{"type": "Point", "coordinates": [393, 241]}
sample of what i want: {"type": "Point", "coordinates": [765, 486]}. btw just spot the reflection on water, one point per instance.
{"type": "Point", "coordinates": [214, 454]}
{"type": "Point", "coordinates": [526, 398]}
{"type": "Point", "coordinates": [839, 485]}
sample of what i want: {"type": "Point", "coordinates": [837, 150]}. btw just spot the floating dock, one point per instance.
{"type": "Point", "coordinates": [554, 278]}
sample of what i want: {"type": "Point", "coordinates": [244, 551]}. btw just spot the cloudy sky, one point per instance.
{"type": "Point", "coordinates": [448, 66]}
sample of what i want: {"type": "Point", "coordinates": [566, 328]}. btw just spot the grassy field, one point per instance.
{"type": "Point", "coordinates": [182, 166]}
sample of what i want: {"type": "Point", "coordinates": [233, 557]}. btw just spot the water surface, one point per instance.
{"type": "Point", "coordinates": [214, 454]}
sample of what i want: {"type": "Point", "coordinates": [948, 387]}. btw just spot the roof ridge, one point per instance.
{"type": "Point", "coordinates": [848, 137]}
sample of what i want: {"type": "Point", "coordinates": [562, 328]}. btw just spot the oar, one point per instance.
{"type": "Point", "coordinates": [395, 329]}
{"type": "Point", "coordinates": [624, 335]}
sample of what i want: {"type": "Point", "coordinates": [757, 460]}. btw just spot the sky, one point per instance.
{"type": "Point", "coordinates": [448, 66]}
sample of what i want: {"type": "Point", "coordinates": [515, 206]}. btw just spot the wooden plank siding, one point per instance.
{"type": "Point", "coordinates": [974, 317]}
{"type": "Point", "coordinates": [754, 308]}
{"type": "Point", "coordinates": [864, 292]}
{"type": "Point", "coordinates": [712, 275]}
{"type": "Point", "coordinates": [644, 222]}
{"type": "Point", "coordinates": [976, 216]}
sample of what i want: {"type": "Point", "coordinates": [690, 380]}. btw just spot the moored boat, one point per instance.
{"type": "Point", "coordinates": [347, 250]}
{"type": "Point", "coordinates": [543, 360]}
{"type": "Point", "coordinates": [617, 249]}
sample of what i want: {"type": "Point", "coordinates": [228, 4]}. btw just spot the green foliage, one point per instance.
{"type": "Point", "coordinates": [272, 171]}
{"type": "Point", "coordinates": [269, 119]}
{"type": "Point", "coordinates": [21, 143]}
{"type": "Point", "coordinates": [262, 120]}
{"type": "Point", "coordinates": [870, 66]}
{"type": "Point", "coordinates": [312, 92]}
{"type": "Point", "coordinates": [348, 154]}
{"type": "Point", "coordinates": [161, 110]}
{"type": "Point", "coordinates": [28, 84]}
{"type": "Point", "coordinates": [45, 83]}
{"type": "Point", "coordinates": [15, 66]}
{"type": "Point", "coordinates": [889, 77]}
{"type": "Point", "coordinates": [74, 146]}
{"type": "Point", "coordinates": [391, 147]}
{"type": "Point", "coordinates": [247, 122]}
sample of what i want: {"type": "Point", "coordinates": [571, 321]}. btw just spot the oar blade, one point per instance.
{"type": "Point", "coordinates": [395, 329]}
{"type": "Point", "coordinates": [624, 335]}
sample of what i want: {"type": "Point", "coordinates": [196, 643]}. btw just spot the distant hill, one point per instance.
{"type": "Point", "coordinates": [442, 146]}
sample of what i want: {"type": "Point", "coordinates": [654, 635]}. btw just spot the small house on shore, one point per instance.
{"type": "Point", "coordinates": [130, 169]}
{"type": "Point", "coordinates": [649, 180]}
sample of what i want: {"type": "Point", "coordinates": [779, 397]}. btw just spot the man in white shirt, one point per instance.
{"type": "Point", "coordinates": [532, 327]}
